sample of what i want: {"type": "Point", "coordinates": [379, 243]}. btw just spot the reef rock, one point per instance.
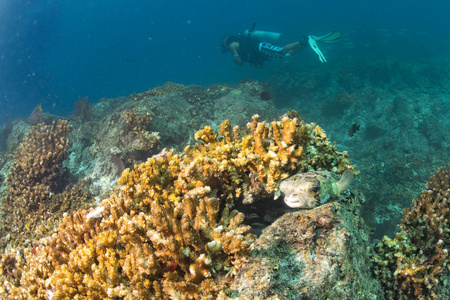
{"type": "Point", "coordinates": [320, 253]}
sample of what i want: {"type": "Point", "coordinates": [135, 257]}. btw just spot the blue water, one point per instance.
{"type": "Point", "coordinates": [54, 52]}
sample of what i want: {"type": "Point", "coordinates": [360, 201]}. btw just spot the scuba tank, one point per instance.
{"type": "Point", "coordinates": [262, 36]}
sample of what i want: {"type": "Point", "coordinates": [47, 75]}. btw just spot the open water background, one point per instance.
{"type": "Point", "coordinates": [53, 52]}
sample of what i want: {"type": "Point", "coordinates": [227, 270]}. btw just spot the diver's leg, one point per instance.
{"type": "Point", "coordinates": [293, 48]}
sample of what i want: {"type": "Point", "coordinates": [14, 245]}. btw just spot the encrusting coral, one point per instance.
{"type": "Point", "coordinates": [169, 87]}
{"type": "Point", "coordinates": [170, 230]}
{"type": "Point", "coordinates": [409, 265]}
{"type": "Point", "coordinates": [191, 93]}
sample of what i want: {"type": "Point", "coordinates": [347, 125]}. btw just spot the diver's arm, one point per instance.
{"type": "Point", "coordinates": [234, 47]}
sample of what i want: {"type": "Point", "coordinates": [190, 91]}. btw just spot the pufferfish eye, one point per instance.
{"type": "Point", "coordinates": [315, 189]}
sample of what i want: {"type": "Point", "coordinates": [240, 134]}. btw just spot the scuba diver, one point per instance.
{"type": "Point", "coordinates": [256, 47]}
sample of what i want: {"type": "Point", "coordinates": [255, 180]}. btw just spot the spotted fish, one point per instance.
{"type": "Point", "coordinates": [307, 190]}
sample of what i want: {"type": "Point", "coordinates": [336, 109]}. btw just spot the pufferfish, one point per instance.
{"type": "Point", "coordinates": [307, 190]}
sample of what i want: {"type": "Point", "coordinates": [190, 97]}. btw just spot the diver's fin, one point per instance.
{"type": "Point", "coordinates": [345, 180]}
{"type": "Point", "coordinates": [312, 43]}
{"type": "Point", "coordinates": [327, 38]}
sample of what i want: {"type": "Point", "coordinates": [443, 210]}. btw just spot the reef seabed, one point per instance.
{"type": "Point", "coordinates": [180, 223]}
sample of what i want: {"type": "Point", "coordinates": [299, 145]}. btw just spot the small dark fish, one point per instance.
{"type": "Point", "coordinates": [118, 162]}
{"type": "Point", "coordinates": [353, 129]}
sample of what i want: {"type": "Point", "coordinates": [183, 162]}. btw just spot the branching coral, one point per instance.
{"type": "Point", "coordinates": [272, 151]}
{"type": "Point", "coordinates": [170, 231]}
{"type": "Point", "coordinates": [409, 265]}
{"type": "Point", "coordinates": [227, 160]}
{"type": "Point", "coordinates": [34, 182]}
{"type": "Point", "coordinates": [135, 138]}
{"type": "Point", "coordinates": [37, 163]}
{"type": "Point", "coordinates": [32, 177]}
{"type": "Point", "coordinates": [120, 251]}
{"type": "Point", "coordinates": [137, 123]}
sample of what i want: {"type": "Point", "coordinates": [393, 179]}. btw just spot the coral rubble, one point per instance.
{"type": "Point", "coordinates": [410, 265]}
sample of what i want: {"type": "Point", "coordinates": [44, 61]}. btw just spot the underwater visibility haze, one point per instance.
{"type": "Point", "coordinates": [138, 161]}
{"type": "Point", "coordinates": [55, 52]}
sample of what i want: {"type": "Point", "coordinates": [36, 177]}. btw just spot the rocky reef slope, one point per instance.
{"type": "Point", "coordinates": [164, 195]}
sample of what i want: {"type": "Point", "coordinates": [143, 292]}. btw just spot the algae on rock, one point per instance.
{"type": "Point", "coordinates": [322, 253]}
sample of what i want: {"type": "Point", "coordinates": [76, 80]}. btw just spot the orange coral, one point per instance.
{"type": "Point", "coordinates": [170, 230]}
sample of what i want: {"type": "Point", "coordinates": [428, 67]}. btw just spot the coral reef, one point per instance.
{"type": "Point", "coordinates": [129, 250]}
{"type": "Point", "coordinates": [36, 197]}
{"type": "Point", "coordinates": [271, 152]}
{"type": "Point", "coordinates": [322, 253]}
{"type": "Point", "coordinates": [37, 163]}
{"type": "Point", "coordinates": [170, 230]}
{"type": "Point", "coordinates": [400, 104]}
{"type": "Point", "coordinates": [410, 265]}
{"type": "Point", "coordinates": [399, 144]}
{"type": "Point", "coordinates": [122, 132]}
{"type": "Point", "coordinates": [167, 88]}
{"type": "Point", "coordinates": [175, 227]}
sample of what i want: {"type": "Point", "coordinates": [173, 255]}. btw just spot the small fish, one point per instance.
{"type": "Point", "coordinates": [35, 116]}
{"type": "Point", "coordinates": [307, 190]}
{"type": "Point", "coordinates": [170, 268]}
{"type": "Point", "coordinates": [353, 129]}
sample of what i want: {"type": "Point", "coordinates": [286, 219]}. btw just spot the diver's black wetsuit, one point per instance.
{"type": "Point", "coordinates": [249, 50]}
